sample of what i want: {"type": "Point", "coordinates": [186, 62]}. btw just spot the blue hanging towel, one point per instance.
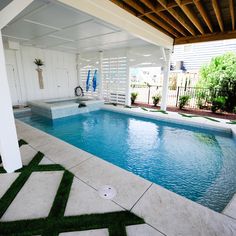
{"type": "Point", "coordinates": [95, 81]}
{"type": "Point", "coordinates": [87, 81]}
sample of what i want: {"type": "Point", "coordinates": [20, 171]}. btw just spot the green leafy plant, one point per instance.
{"type": "Point", "coordinates": [183, 101]}
{"type": "Point", "coordinates": [218, 104]}
{"type": "Point", "coordinates": [38, 62]}
{"type": "Point", "coordinates": [234, 110]}
{"type": "Point", "coordinates": [156, 99]}
{"type": "Point", "coordinates": [133, 97]}
{"type": "Point", "coordinates": [220, 77]}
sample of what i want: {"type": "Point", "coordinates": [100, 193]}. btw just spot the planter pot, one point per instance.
{"type": "Point", "coordinates": [40, 78]}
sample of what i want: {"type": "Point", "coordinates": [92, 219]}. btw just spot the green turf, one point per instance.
{"type": "Point", "coordinates": [161, 111]}
{"type": "Point", "coordinates": [232, 122]}
{"type": "Point", "coordinates": [143, 108]}
{"type": "Point", "coordinates": [56, 222]}
{"type": "Point", "coordinates": [209, 118]}
{"type": "Point", "coordinates": [188, 116]}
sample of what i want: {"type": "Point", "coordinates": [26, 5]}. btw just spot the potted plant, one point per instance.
{"type": "Point", "coordinates": [39, 63]}
{"type": "Point", "coordinates": [156, 99]}
{"type": "Point", "coordinates": [183, 100]}
{"type": "Point", "coordinates": [133, 97]}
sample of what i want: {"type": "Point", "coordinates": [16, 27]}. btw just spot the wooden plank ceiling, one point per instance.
{"type": "Point", "coordinates": [187, 21]}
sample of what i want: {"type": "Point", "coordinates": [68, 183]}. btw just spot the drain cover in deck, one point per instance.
{"type": "Point", "coordinates": [107, 192]}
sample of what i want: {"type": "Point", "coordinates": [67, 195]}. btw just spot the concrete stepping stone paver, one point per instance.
{"type": "Point", "coordinates": [6, 181]}
{"type": "Point", "coordinates": [230, 209]}
{"type": "Point", "coordinates": [97, 232]}
{"type": "Point", "coordinates": [46, 161]}
{"type": "Point", "coordinates": [35, 198]}
{"type": "Point", "coordinates": [176, 215]}
{"type": "Point", "coordinates": [142, 230]}
{"type": "Point", "coordinates": [97, 173]}
{"type": "Point", "coordinates": [85, 200]}
{"type": "Point", "coordinates": [27, 154]}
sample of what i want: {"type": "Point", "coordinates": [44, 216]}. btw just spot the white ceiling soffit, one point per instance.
{"type": "Point", "coordinates": [109, 12]}
{"type": "Point", "coordinates": [47, 24]}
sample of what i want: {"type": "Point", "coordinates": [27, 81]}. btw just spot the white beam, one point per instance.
{"type": "Point", "coordinates": [9, 148]}
{"type": "Point", "coordinates": [100, 73]}
{"type": "Point", "coordinates": [110, 12]}
{"type": "Point", "coordinates": [166, 71]}
{"type": "Point", "coordinates": [9, 12]}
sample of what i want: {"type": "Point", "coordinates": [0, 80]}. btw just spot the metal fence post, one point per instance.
{"type": "Point", "coordinates": [177, 97]}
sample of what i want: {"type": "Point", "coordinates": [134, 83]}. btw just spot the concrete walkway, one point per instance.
{"type": "Point", "coordinates": [164, 212]}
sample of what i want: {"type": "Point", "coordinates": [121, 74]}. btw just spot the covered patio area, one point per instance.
{"type": "Point", "coordinates": [50, 187]}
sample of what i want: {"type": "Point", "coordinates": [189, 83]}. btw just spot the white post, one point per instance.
{"type": "Point", "coordinates": [100, 70]}
{"type": "Point", "coordinates": [127, 92]}
{"type": "Point", "coordinates": [9, 148]}
{"type": "Point", "coordinates": [78, 69]}
{"type": "Point", "coordinates": [166, 71]}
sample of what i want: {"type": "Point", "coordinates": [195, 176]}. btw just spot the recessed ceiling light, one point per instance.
{"type": "Point", "coordinates": [161, 58]}
{"type": "Point", "coordinates": [147, 55]}
{"type": "Point", "coordinates": [131, 59]}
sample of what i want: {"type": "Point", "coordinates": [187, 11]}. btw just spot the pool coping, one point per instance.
{"type": "Point", "coordinates": [221, 222]}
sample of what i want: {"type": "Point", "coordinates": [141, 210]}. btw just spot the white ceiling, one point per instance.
{"type": "Point", "coordinates": [47, 24]}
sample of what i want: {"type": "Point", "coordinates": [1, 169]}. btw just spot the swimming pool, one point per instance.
{"type": "Point", "coordinates": [197, 164]}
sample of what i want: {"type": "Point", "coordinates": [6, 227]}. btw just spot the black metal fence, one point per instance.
{"type": "Point", "coordinates": [199, 97]}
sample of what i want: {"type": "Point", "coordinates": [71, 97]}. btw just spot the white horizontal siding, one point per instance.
{"type": "Point", "coordinates": [202, 53]}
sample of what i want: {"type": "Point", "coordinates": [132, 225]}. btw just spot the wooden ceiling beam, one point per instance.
{"type": "Point", "coordinates": [206, 37]}
{"type": "Point", "coordinates": [177, 17]}
{"type": "Point", "coordinates": [192, 17]}
{"type": "Point", "coordinates": [216, 8]}
{"type": "Point", "coordinates": [164, 17]}
{"type": "Point", "coordinates": [231, 8]}
{"type": "Point", "coordinates": [152, 18]}
{"type": "Point", "coordinates": [204, 14]}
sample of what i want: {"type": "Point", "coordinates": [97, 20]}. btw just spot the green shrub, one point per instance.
{"type": "Point", "coordinates": [156, 99]}
{"type": "Point", "coordinates": [234, 110]}
{"type": "Point", "coordinates": [183, 100]}
{"type": "Point", "coordinates": [218, 104]}
{"type": "Point", "coordinates": [133, 97]}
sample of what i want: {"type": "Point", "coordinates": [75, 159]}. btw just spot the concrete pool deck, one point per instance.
{"type": "Point", "coordinates": [164, 212]}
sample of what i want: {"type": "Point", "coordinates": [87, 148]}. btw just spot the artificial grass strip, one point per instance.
{"type": "Point", "coordinates": [49, 167]}
{"type": "Point", "coordinates": [143, 108]}
{"type": "Point", "coordinates": [22, 142]}
{"type": "Point", "coordinates": [188, 116]}
{"type": "Point", "coordinates": [16, 186]}
{"type": "Point", "coordinates": [232, 122]}
{"type": "Point", "coordinates": [114, 221]}
{"type": "Point", "coordinates": [60, 201]}
{"type": "Point", "coordinates": [209, 118]}
{"type": "Point", "coordinates": [161, 111]}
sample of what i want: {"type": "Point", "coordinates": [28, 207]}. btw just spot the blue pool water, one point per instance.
{"type": "Point", "coordinates": [197, 164]}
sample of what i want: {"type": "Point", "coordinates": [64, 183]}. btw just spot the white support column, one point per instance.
{"type": "Point", "coordinates": [9, 148]}
{"type": "Point", "coordinates": [78, 66]}
{"type": "Point", "coordinates": [165, 84]}
{"type": "Point", "coordinates": [128, 90]}
{"type": "Point", "coordinates": [100, 72]}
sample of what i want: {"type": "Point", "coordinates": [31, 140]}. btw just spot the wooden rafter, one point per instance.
{"type": "Point", "coordinates": [231, 8]}
{"type": "Point", "coordinates": [216, 8]}
{"type": "Point", "coordinates": [203, 13]}
{"type": "Point", "coordinates": [175, 14]}
{"type": "Point", "coordinates": [206, 37]}
{"type": "Point", "coordinates": [192, 17]}
{"type": "Point", "coordinates": [138, 8]}
{"type": "Point", "coordinates": [164, 17]}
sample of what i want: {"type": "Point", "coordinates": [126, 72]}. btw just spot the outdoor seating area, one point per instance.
{"type": "Point", "coordinates": [118, 117]}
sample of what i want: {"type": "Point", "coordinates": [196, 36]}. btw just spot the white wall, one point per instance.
{"type": "Point", "coordinates": [59, 73]}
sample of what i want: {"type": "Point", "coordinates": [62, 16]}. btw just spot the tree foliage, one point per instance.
{"type": "Point", "coordinates": [220, 77]}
